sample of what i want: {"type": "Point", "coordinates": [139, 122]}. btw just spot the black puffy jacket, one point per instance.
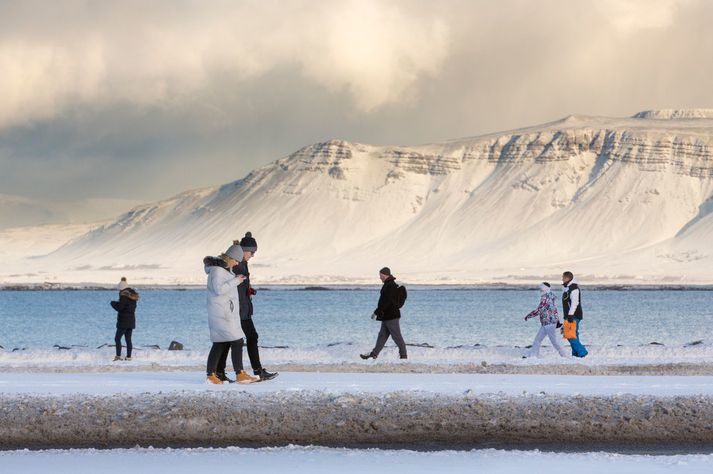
{"type": "Point", "coordinates": [126, 308]}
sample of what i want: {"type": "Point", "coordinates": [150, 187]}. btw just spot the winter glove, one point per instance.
{"type": "Point", "coordinates": [252, 291]}
{"type": "Point", "coordinates": [570, 318]}
{"type": "Point", "coordinates": [559, 324]}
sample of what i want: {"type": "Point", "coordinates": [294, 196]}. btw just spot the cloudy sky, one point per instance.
{"type": "Point", "coordinates": [105, 104]}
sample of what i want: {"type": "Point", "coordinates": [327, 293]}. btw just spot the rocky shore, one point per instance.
{"type": "Point", "coordinates": [383, 420]}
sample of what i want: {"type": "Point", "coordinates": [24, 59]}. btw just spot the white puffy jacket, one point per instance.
{"type": "Point", "coordinates": [223, 305]}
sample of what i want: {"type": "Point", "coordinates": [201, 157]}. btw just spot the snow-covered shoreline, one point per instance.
{"type": "Point", "coordinates": [654, 359]}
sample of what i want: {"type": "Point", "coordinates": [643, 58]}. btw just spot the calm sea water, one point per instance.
{"type": "Point", "coordinates": [296, 318]}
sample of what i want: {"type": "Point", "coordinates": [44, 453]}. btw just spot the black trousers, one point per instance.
{"type": "Point", "coordinates": [218, 349]}
{"type": "Point", "coordinates": [253, 351]}
{"type": "Point", "coordinates": [126, 333]}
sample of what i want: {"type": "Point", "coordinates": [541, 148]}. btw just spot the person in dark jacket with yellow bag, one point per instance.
{"type": "Point", "coordinates": [388, 312]}
{"type": "Point", "coordinates": [125, 317]}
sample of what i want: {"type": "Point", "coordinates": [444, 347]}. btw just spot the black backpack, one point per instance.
{"type": "Point", "coordinates": [401, 295]}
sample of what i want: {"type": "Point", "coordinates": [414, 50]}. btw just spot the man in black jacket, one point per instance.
{"type": "Point", "coordinates": [389, 314]}
{"type": "Point", "coordinates": [245, 293]}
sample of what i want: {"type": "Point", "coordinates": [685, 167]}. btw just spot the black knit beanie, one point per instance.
{"type": "Point", "coordinates": [248, 243]}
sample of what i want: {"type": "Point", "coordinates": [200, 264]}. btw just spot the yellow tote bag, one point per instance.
{"type": "Point", "coordinates": [569, 330]}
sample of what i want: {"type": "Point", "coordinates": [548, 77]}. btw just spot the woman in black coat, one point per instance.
{"type": "Point", "coordinates": [125, 318]}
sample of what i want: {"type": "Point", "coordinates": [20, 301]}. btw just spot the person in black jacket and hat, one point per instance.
{"type": "Point", "coordinates": [125, 317]}
{"type": "Point", "coordinates": [246, 292]}
{"type": "Point", "coordinates": [388, 312]}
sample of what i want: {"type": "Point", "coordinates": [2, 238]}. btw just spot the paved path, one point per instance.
{"type": "Point", "coordinates": [109, 383]}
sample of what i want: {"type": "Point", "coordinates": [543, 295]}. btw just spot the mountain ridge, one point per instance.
{"type": "Point", "coordinates": [610, 196]}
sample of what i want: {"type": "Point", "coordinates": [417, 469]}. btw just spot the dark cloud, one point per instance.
{"type": "Point", "coordinates": [121, 100]}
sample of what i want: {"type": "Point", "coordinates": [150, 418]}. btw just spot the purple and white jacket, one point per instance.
{"type": "Point", "coordinates": [547, 310]}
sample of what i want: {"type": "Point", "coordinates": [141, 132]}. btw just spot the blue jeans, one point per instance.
{"type": "Point", "coordinates": [126, 333]}
{"type": "Point", "coordinates": [578, 349]}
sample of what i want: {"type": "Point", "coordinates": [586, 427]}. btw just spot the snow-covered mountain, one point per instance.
{"type": "Point", "coordinates": [609, 198]}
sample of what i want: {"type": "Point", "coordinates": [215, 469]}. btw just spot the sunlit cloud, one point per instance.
{"type": "Point", "coordinates": [629, 16]}
{"type": "Point", "coordinates": [109, 53]}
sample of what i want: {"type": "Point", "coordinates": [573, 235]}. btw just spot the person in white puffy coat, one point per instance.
{"type": "Point", "coordinates": [223, 304]}
{"type": "Point", "coordinates": [224, 314]}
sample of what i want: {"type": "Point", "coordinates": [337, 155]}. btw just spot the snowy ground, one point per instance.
{"type": "Point", "coordinates": [114, 383]}
{"type": "Point", "coordinates": [345, 461]}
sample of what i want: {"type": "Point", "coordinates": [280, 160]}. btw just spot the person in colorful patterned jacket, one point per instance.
{"type": "Point", "coordinates": [547, 311]}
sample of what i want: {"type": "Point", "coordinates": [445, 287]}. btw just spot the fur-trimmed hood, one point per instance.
{"type": "Point", "coordinates": [209, 262]}
{"type": "Point", "coordinates": [130, 293]}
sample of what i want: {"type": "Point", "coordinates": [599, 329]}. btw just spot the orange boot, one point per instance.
{"type": "Point", "coordinates": [242, 377]}
{"type": "Point", "coordinates": [213, 378]}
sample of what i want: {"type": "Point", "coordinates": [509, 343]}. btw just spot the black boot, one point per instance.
{"type": "Point", "coordinates": [264, 374]}
{"type": "Point", "coordinates": [370, 355]}
{"type": "Point", "coordinates": [224, 378]}
{"type": "Point", "coordinates": [403, 356]}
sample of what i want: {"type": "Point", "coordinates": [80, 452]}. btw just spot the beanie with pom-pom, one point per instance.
{"type": "Point", "coordinates": [248, 243]}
